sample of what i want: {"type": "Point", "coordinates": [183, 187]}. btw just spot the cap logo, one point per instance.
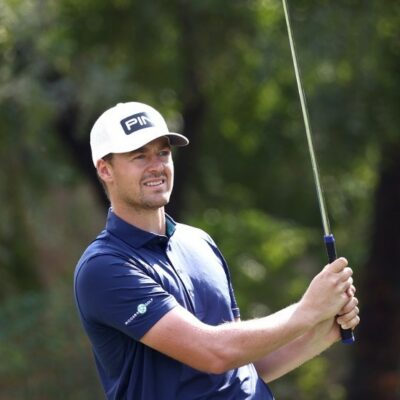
{"type": "Point", "coordinates": [135, 122]}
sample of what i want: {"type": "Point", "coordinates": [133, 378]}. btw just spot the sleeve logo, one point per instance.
{"type": "Point", "coordinates": [140, 310]}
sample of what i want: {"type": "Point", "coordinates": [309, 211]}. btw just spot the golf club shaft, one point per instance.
{"type": "Point", "coordinates": [346, 334]}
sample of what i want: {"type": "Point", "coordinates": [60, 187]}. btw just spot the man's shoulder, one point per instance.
{"type": "Point", "coordinates": [100, 245]}
{"type": "Point", "coordinates": [192, 235]}
{"type": "Point", "coordinates": [101, 250]}
{"type": "Point", "coordinates": [190, 231]}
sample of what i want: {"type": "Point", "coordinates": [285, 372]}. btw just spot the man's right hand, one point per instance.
{"type": "Point", "coordinates": [328, 292]}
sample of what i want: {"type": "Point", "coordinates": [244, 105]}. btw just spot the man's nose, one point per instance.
{"type": "Point", "coordinates": [156, 163]}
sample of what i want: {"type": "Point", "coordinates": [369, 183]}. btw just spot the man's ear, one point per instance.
{"type": "Point", "coordinates": [104, 170]}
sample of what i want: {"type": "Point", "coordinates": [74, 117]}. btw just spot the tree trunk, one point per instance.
{"type": "Point", "coordinates": [377, 352]}
{"type": "Point", "coordinates": [194, 109]}
{"type": "Point", "coordinates": [65, 126]}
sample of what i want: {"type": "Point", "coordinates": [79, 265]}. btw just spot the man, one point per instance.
{"type": "Point", "coordinates": [155, 296]}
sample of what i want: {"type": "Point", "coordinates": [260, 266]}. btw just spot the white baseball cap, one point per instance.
{"type": "Point", "coordinates": [127, 127]}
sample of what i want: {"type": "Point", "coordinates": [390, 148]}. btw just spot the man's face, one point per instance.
{"type": "Point", "coordinates": [143, 178]}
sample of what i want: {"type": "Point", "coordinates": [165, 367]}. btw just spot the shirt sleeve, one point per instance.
{"type": "Point", "coordinates": [120, 294]}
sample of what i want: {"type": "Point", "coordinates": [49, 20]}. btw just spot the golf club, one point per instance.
{"type": "Point", "coordinates": [346, 334]}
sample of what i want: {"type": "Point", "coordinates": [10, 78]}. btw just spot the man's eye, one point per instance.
{"type": "Point", "coordinates": [165, 153]}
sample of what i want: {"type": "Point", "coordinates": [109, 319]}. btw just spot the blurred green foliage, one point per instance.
{"type": "Point", "coordinates": [248, 180]}
{"type": "Point", "coordinates": [43, 353]}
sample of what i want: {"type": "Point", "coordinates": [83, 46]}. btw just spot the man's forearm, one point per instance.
{"type": "Point", "coordinates": [297, 352]}
{"type": "Point", "coordinates": [247, 341]}
{"type": "Point", "coordinates": [216, 349]}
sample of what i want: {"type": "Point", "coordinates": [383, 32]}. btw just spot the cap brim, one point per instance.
{"type": "Point", "coordinates": [175, 139]}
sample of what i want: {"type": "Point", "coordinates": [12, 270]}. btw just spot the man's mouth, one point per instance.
{"type": "Point", "coordinates": [155, 183]}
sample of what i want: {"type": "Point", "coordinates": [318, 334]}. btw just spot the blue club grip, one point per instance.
{"type": "Point", "coordinates": [346, 334]}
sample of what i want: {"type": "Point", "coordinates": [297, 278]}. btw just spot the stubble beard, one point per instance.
{"type": "Point", "coordinates": [141, 201]}
{"type": "Point", "coordinates": [145, 202]}
{"type": "Point", "coordinates": [148, 204]}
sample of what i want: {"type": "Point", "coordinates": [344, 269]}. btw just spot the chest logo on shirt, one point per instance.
{"type": "Point", "coordinates": [141, 309]}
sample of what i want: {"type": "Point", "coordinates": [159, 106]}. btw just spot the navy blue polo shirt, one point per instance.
{"type": "Point", "coordinates": [125, 281]}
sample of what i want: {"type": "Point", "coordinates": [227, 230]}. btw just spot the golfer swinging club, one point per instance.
{"type": "Point", "coordinates": [155, 296]}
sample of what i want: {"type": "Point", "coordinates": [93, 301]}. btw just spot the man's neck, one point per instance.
{"type": "Point", "coordinates": [147, 220]}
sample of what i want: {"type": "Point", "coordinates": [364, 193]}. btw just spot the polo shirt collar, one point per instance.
{"type": "Point", "coordinates": [133, 235]}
